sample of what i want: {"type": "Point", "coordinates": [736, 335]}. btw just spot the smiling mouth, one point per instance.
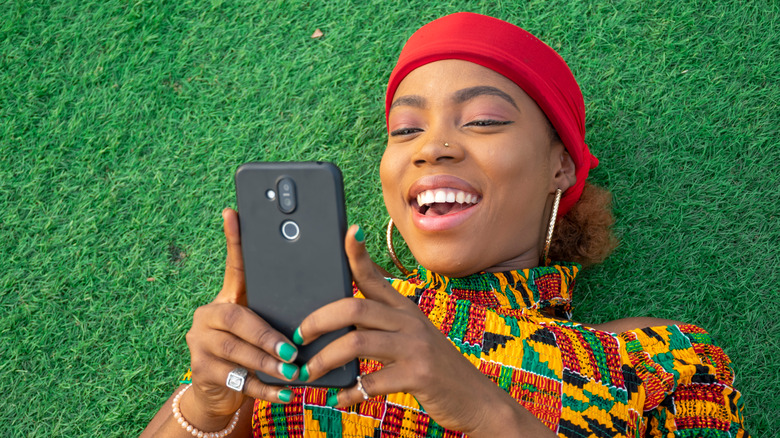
{"type": "Point", "coordinates": [440, 202]}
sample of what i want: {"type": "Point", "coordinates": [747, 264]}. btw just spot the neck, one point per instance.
{"type": "Point", "coordinates": [526, 260]}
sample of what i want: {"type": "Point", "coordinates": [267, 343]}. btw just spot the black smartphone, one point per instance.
{"type": "Point", "coordinates": [293, 223]}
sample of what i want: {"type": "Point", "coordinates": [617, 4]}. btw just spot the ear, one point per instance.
{"type": "Point", "coordinates": [563, 168]}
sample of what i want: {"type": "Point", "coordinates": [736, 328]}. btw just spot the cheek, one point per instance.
{"type": "Point", "coordinates": [389, 175]}
{"type": "Point", "coordinates": [386, 170]}
{"type": "Point", "coordinates": [513, 170]}
{"type": "Point", "coordinates": [521, 181]}
{"type": "Point", "coordinates": [522, 162]}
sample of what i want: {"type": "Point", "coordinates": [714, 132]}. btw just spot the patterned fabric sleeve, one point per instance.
{"type": "Point", "coordinates": [688, 383]}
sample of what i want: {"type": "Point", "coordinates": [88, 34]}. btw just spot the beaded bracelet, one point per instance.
{"type": "Point", "coordinates": [194, 430]}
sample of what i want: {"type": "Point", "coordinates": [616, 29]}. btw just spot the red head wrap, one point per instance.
{"type": "Point", "coordinates": [524, 59]}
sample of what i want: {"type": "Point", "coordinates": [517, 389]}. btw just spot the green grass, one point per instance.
{"type": "Point", "coordinates": [121, 124]}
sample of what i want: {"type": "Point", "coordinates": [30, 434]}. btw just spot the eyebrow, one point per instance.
{"type": "Point", "coordinates": [460, 97]}
{"type": "Point", "coordinates": [415, 101]}
{"type": "Point", "coordinates": [482, 90]}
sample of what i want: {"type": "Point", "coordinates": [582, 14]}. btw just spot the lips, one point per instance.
{"type": "Point", "coordinates": [441, 202]}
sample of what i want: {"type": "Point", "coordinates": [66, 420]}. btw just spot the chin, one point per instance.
{"type": "Point", "coordinates": [448, 255]}
{"type": "Point", "coordinates": [449, 266]}
{"type": "Point", "coordinates": [447, 258]}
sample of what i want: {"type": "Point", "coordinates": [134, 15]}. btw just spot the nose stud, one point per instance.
{"type": "Point", "coordinates": [446, 145]}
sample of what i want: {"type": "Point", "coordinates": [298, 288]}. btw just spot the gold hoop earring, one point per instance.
{"type": "Point", "coordinates": [551, 227]}
{"type": "Point", "coordinates": [391, 249]}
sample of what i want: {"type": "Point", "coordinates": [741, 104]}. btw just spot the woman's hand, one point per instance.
{"type": "Point", "coordinates": [225, 334]}
{"type": "Point", "coordinates": [417, 358]}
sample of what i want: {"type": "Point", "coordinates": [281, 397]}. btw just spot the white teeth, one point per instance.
{"type": "Point", "coordinates": [429, 197]}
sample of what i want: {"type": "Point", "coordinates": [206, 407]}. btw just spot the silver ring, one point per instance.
{"type": "Point", "coordinates": [236, 379]}
{"type": "Point", "coordinates": [360, 387]}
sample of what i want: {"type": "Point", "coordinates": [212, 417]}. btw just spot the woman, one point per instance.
{"type": "Point", "coordinates": [486, 145]}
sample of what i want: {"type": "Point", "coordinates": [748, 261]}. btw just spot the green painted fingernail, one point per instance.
{"type": "Point", "coordinates": [285, 395]}
{"type": "Point", "coordinates": [359, 236]}
{"type": "Point", "coordinates": [332, 400]}
{"type": "Point", "coordinates": [304, 374]}
{"type": "Point", "coordinates": [286, 351]}
{"type": "Point", "coordinates": [288, 370]}
{"type": "Point", "coordinates": [297, 338]}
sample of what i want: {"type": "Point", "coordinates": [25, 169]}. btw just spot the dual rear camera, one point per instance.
{"type": "Point", "coordinates": [287, 202]}
{"type": "Point", "coordinates": [284, 195]}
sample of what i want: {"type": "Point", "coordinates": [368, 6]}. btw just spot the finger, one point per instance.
{"type": "Point", "coordinates": [368, 344]}
{"type": "Point", "coordinates": [258, 390]}
{"type": "Point", "coordinates": [228, 347]}
{"type": "Point", "coordinates": [388, 380]}
{"type": "Point", "coordinates": [243, 323]}
{"type": "Point", "coordinates": [234, 284]}
{"type": "Point", "coordinates": [253, 387]}
{"type": "Point", "coordinates": [347, 312]}
{"type": "Point", "coordinates": [365, 274]}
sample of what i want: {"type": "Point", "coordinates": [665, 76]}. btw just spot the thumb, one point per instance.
{"type": "Point", "coordinates": [234, 284]}
{"type": "Point", "coordinates": [365, 273]}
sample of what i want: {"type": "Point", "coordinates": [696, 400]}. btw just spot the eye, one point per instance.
{"type": "Point", "coordinates": [404, 131]}
{"type": "Point", "coordinates": [488, 122]}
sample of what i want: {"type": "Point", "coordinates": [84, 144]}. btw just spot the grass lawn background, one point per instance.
{"type": "Point", "coordinates": [121, 124]}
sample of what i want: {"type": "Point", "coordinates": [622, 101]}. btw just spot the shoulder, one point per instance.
{"type": "Point", "coordinates": [628, 324]}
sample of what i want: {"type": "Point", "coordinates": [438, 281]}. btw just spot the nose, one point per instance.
{"type": "Point", "coordinates": [436, 149]}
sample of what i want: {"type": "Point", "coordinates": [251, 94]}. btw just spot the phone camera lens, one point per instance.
{"type": "Point", "coordinates": [286, 189]}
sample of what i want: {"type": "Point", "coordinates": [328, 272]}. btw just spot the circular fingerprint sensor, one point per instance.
{"type": "Point", "coordinates": [290, 230]}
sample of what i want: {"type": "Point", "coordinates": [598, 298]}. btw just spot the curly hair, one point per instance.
{"type": "Point", "coordinates": [584, 235]}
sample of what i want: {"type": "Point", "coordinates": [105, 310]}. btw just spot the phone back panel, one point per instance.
{"type": "Point", "coordinates": [287, 279]}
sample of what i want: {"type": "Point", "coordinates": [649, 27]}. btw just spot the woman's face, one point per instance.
{"type": "Point", "coordinates": [482, 201]}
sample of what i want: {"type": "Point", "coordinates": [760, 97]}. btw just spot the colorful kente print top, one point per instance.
{"type": "Point", "coordinates": [669, 381]}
